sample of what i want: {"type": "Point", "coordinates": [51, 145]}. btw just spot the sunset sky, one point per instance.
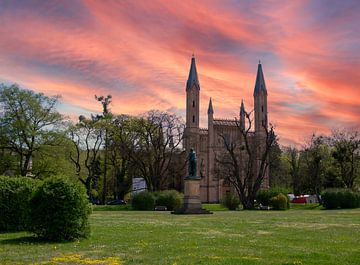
{"type": "Point", "coordinates": [140, 53]}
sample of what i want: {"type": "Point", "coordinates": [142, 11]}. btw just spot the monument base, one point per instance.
{"type": "Point", "coordinates": [192, 202]}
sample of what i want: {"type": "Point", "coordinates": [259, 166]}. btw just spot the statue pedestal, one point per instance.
{"type": "Point", "coordinates": [192, 202]}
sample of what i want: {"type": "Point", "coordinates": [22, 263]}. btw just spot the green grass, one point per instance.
{"type": "Point", "coordinates": [225, 237]}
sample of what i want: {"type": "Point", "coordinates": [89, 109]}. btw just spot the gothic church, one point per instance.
{"type": "Point", "coordinates": [207, 142]}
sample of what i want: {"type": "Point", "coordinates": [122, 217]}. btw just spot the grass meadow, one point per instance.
{"type": "Point", "coordinates": [298, 236]}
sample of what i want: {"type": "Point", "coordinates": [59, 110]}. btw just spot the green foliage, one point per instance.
{"type": "Point", "coordinates": [230, 201]}
{"type": "Point", "coordinates": [340, 198]}
{"type": "Point", "coordinates": [60, 210]}
{"type": "Point", "coordinates": [264, 196]}
{"type": "Point", "coordinates": [143, 201]}
{"type": "Point", "coordinates": [172, 199]}
{"type": "Point", "coordinates": [28, 122]}
{"type": "Point", "coordinates": [15, 195]}
{"type": "Point", "coordinates": [279, 202]}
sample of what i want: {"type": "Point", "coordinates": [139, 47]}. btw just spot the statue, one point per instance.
{"type": "Point", "coordinates": [192, 163]}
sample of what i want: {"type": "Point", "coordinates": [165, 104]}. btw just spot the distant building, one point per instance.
{"type": "Point", "coordinates": [207, 142]}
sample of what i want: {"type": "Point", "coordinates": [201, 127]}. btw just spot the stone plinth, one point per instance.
{"type": "Point", "coordinates": [192, 202]}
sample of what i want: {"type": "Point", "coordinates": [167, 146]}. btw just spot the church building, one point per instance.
{"type": "Point", "coordinates": [207, 142]}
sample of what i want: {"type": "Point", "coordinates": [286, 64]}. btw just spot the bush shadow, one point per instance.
{"type": "Point", "coordinates": [25, 240]}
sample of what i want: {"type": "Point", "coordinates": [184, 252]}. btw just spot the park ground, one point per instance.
{"type": "Point", "coordinates": [296, 236]}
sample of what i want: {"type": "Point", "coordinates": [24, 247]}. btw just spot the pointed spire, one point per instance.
{"type": "Point", "coordinates": [242, 108]}
{"type": "Point", "coordinates": [210, 109]}
{"type": "Point", "coordinates": [260, 81]}
{"type": "Point", "coordinates": [193, 77]}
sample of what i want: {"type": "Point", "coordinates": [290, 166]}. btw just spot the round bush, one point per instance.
{"type": "Point", "coordinates": [230, 201]}
{"type": "Point", "coordinates": [60, 210]}
{"type": "Point", "coordinates": [279, 202]}
{"type": "Point", "coordinates": [143, 201]}
{"type": "Point", "coordinates": [172, 199]}
{"type": "Point", "coordinates": [15, 195]}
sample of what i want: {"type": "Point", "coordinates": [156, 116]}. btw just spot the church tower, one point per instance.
{"type": "Point", "coordinates": [260, 102]}
{"type": "Point", "coordinates": [261, 120]}
{"type": "Point", "coordinates": [192, 108]}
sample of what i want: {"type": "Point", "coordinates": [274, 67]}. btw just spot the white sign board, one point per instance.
{"type": "Point", "coordinates": [138, 185]}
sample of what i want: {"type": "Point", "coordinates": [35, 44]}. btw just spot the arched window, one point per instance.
{"type": "Point", "coordinates": [193, 103]}
{"type": "Point", "coordinates": [193, 119]}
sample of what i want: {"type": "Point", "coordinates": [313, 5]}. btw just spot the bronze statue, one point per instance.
{"type": "Point", "coordinates": [192, 163]}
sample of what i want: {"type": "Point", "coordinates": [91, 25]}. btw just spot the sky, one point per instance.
{"type": "Point", "coordinates": [139, 51]}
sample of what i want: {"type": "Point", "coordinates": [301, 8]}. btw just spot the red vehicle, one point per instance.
{"type": "Point", "coordinates": [299, 199]}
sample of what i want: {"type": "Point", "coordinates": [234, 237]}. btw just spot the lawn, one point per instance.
{"type": "Point", "coordinates": [301, 236]}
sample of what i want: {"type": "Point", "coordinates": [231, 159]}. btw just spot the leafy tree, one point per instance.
{"type": "Point", "coordinates": [154, 147]}
{"type": "Point", "coordinates": [279, 167]}
{"type": "Point", "coordinates": [122, 142]}
{"type": "Point", "coordinates": [29, 121]}
{"type": "Point", "coordinates": [316, 157]}
{"type": "Point", "coordinates": [346, 146]}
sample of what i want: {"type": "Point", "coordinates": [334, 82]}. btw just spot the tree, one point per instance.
{"type": "Point", "coordinates": [316, 157]}
{"type": "Point", "coordinates": [279, 167]}
{"type": "Point", "coordinates": [122, 140]}
{"type": "Point", "coordinates": [106, 117]}
{"type": "Point", "coordinates": [346, 146]}
{"type": "Point", "coordinates": [292, 156]}
{"type": "Point", "coordinates": [29, 121]}
{"type": "Point", "coordinates": [157, 138]}
{"type": "Point", "coordinates": [87, 138]}
{"type": "Point", "coordinates": [246, 160]}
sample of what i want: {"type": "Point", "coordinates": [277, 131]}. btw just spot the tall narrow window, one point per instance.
{"type": "Point", "coordinates": [193, 119]}
{"type": "Point", "coordinates": [193, 103]}
{"type": "Point", "coordinates": [262, 108]}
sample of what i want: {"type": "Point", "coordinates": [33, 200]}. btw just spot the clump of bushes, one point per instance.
{"type": "Point", "coordinates": [279, 202]}
{"type": "Point", "coordinates": [15, 196]}
{"type": "Point", "coordinates": [172, 199]}
{"type": "Point", "coordinates": [230, 201]}
{"type": "Point", "coordinates": [340, 198]}
{"type": "Point", "coordinates": [60, 210]}
{"type": "Point", "coordinates": [146, 201]}
{"type": "Point", "coordinates": [143, 201]}
{"type": "Point", "coordinates": [264, 196]}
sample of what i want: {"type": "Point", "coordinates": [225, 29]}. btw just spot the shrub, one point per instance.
{"type": "Point", "coordinates": [330, 199]}
{"type": "Point", "coordinates": [230, 201]}
{"type": "Point", "coordinates": [279, 202]}
{"type": "Point", "coordinates": [348, 199]}
{"type": "Point", "coordinates": [15, 195]}
{"type": "Point", "coordinates": [343, 198]}
{"type": "Point", "coordinates": [169, 198]}
{"type": "Point", "coordinates": [143, 201]}
{"type": "Point", "coordinates": [264, 196]}
{"type": "Point", "coordinates": [60, 210]}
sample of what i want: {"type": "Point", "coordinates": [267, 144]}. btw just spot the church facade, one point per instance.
{"type": "Point", "coordinates": [209, 142]}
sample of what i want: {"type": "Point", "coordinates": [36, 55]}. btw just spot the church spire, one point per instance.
{"type": "Point", "coordinates": [260, 81]}
{"type": "Point", "coordinates": [193, 76]}
{"type": "Point", "coordinates": [210, 109]}
{"type": "Point", "coordinates": [242, 108]}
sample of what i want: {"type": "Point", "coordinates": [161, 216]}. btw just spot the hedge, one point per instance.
{"type": "Point", "coordinates": [15, 196]}
{"type": "Point", "coordinates": [340, 198]}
